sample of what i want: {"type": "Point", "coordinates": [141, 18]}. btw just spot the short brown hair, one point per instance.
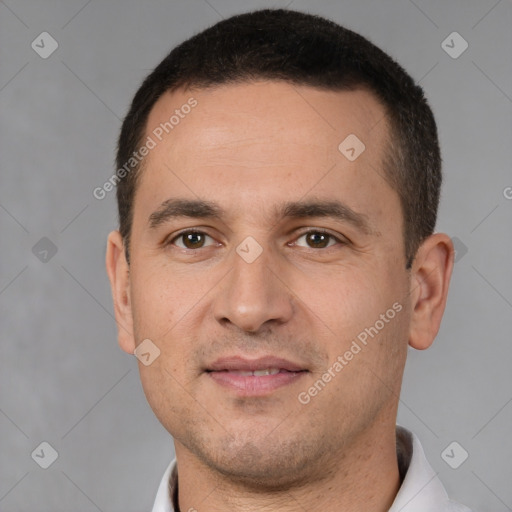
{"type": "Point", "coordinates": [302, 49]}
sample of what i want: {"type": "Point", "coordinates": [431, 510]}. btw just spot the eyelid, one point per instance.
{"type": "Point", "coordinates": [340, 239]}
{"type": "Point", "coordinates": [170, 240]}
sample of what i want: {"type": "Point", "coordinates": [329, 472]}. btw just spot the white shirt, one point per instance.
{"type": "Point", "coordinates": [421, 489]}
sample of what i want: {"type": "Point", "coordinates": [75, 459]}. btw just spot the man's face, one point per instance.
{"type": "Point", "coordinates": [269, 282]}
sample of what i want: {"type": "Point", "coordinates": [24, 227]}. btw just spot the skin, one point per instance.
{"type": "Point", "coordinates": [249, 148]}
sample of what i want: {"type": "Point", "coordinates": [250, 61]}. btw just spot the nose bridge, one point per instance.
{"type": "Point", "coordinates": [253, 293]}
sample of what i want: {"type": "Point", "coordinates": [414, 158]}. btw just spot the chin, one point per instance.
{"type": "Point", "coordinates": [266, 464]}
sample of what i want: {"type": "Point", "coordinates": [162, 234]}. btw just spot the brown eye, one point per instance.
{"type": "Point", "coordinates": [191, 240]}
{"type": "Point", "coordinates": [318, 239]}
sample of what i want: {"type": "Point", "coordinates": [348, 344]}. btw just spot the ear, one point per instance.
{"type": "Point", "coordinates": [119, 275]}
{"type": "Point", "coordinates": [431, 273]}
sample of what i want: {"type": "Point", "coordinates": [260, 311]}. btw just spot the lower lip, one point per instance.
{"type": "Point", "coordinates": [253, 385]}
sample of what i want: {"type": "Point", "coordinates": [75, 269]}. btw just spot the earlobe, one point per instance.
{"type": "Point", "coordinates": [119, 276]}
{"type": "Point", "coordinates": [431, 273]}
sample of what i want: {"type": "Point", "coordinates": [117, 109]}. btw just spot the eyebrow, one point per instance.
{"type": "Point", "coordinates": [326, 208]}
{"type": "Point", "coordinates": [174, 208]}
{"type": "Point", "coordinates": [197, 208]}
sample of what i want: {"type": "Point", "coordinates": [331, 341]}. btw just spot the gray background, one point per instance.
{"type": "Point", "coordinates": [63, 378]}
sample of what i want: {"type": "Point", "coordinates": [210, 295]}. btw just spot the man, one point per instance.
{"type": "Point", "coordinates": [278, 183]}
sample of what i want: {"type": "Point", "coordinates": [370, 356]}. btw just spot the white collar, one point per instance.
{"type": "Point", "coordinates": [421, 489]}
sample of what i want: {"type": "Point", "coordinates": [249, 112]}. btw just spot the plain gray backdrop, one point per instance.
{"type": "Point", "coordinates": [63, 379]}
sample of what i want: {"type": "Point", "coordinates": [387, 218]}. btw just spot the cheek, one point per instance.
{"type": "Point", "coordinates": [346, 302]}
{"type": "Point", "coordinates": [165, 393]}
{"type": "Point", "coordinates": [163, 298]}
{"type": "Point", "coordinates": [169, 308]}
{"type": "Point", "coordinates": [362, 305]}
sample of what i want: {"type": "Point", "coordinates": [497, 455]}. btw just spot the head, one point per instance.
{"type": "Point", "coordinates": [288, 211]}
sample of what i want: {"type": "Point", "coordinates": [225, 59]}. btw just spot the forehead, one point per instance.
{"type": "Point", "coordinates": [281, 139]}
{"type": "Point", "coordinates": [264, 113]}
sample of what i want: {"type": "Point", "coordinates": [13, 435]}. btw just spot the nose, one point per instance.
{"type": "Point", "coordinates": [253, 296]}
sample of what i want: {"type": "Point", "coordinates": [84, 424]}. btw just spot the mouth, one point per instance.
{"type": "Point", "coordinates": [256, 377]}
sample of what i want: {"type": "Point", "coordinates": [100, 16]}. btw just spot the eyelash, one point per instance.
{"type": "Point", "coordinates": [323, 232]}
{"type": "Point", "coordinates": [304, 233]}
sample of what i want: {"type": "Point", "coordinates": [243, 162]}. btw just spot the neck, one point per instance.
{"type": "Point", "coordinates": [362, 477]}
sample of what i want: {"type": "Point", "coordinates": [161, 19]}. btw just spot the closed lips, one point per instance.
{"type": "Point", "coordinates": [254, 377]}
{"type": "Point", "coordinates": [262, 366]}
{"type": "Point", "coordinates": [258, 373]}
